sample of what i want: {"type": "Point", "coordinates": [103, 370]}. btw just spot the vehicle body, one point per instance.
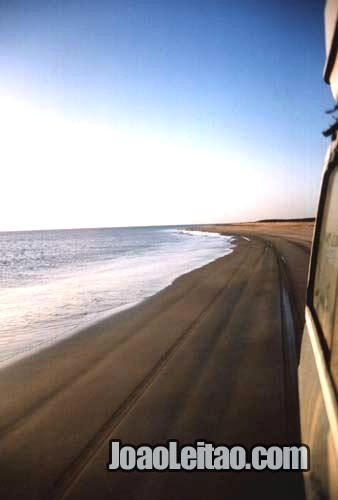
{"type": "Point", "coordinates": [318, 367]}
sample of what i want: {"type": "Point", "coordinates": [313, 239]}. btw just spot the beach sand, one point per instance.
{"type": "Point", "coordinates": [206, 358]}
{"type": "Point", "coordinates": [288, 229]}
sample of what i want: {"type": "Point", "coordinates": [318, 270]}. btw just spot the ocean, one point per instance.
{"type": "Point", "coordinates": [52, 282]}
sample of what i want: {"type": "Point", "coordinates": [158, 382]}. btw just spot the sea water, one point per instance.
{"type": "Point", "coordinates": [52, 282]}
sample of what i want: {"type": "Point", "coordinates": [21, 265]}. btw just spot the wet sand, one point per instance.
{"type": "Point", "coordinates": [207, 358]}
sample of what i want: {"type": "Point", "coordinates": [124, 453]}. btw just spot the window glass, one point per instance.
{"type": "Point", "coordinates": [326, 277]}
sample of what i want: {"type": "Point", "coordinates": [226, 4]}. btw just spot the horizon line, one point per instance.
{"type": "Point", "coordinates": [274, 219]}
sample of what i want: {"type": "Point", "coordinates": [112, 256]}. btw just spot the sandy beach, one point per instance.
{"type": "Point", "coordinates": [211, 357]}
{"type": "Point", "coordinates": [288, 229]}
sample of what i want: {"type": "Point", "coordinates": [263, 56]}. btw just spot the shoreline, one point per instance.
{"type": "Point", "coordinates": [298, 230]}
{"type": "Point", "coordinates": [201, 358]}
{"type": "Point", "coordinates": [101, 317]}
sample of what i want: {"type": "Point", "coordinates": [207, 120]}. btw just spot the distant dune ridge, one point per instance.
{"type": "Point", "coordinates": [305, 219]}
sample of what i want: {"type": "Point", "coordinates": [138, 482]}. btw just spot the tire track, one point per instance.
{"type": "Point", "coordinates": [71, 474]}
{"type": "Point", "coordinates": [289, 326]}
{"type": "Point", "coordinates": [21, 419]}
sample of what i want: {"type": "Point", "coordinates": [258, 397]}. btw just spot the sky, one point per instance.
{"type": "Point", "coordinates": [125, 113]}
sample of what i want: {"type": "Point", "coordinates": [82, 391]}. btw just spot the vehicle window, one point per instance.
{"type": "Point", "coordinates": [326, 277]}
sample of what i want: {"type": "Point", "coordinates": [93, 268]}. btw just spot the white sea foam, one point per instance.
{"type": "Point", "coordinates": [206, 234]}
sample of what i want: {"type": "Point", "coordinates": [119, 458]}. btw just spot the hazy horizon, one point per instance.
{"type": "Point", "coordinates": [184, 225]}
{"type": "Point", "coordinates": [129, 114]}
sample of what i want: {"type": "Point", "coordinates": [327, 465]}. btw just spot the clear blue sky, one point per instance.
{"type": "Point", "coordinates": [158, 112]}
